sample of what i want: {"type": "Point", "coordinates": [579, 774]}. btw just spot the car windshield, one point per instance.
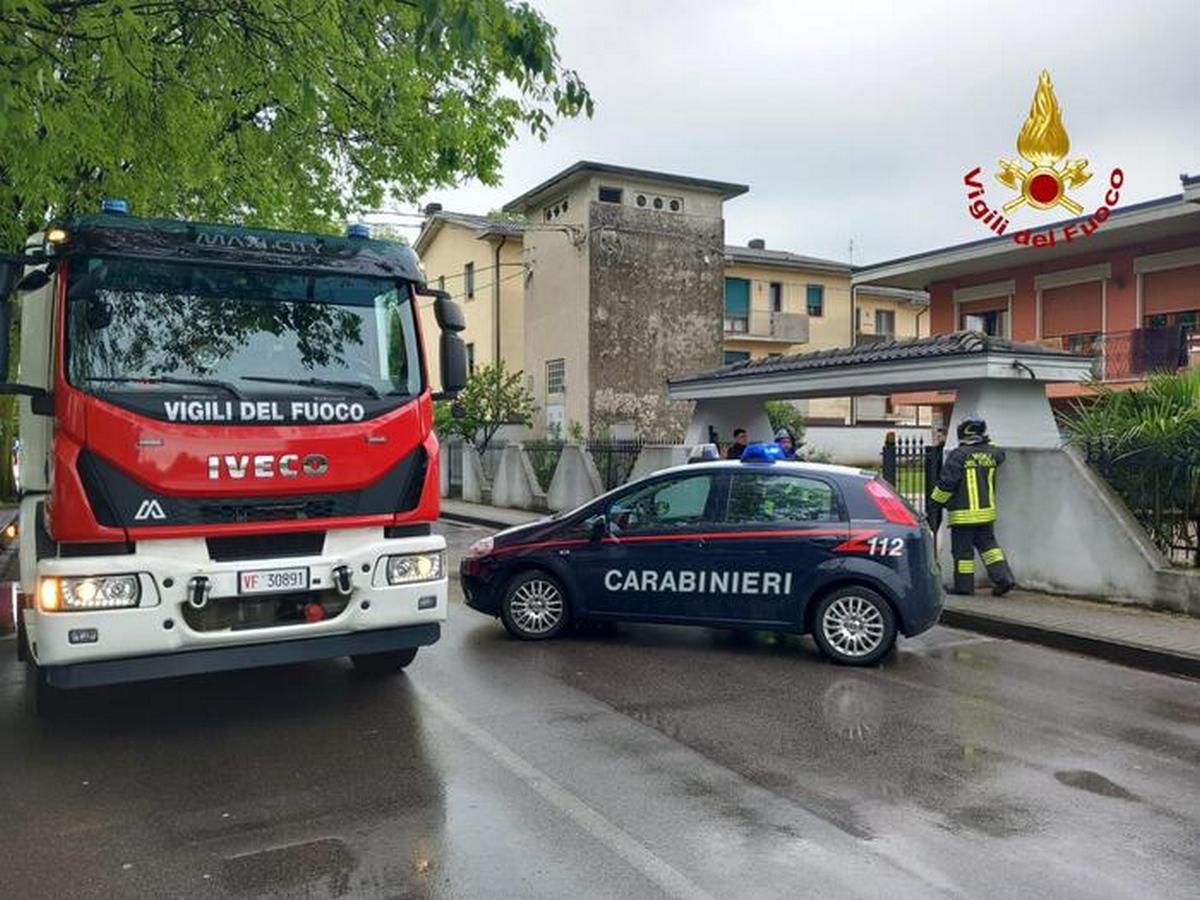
{"type": "Point", "coordinates": [150, 326]}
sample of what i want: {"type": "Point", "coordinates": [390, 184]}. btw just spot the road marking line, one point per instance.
{"type": "Point", "coordinates": [673, 882]}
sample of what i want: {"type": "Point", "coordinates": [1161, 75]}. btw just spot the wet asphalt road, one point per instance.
{"type": "Point", "coordinates": [632, 762]}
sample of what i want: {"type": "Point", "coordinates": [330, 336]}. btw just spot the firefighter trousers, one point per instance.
{"type": "Point", "coordinates": [964, 541]}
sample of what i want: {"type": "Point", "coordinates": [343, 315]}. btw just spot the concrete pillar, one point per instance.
{"type": "Point", "coordinates": [658, 456]}
{"type": "Point", "coordinates": [724, 415]}
{"type": "Point", "coordinates": [575, 480]}
{"type": "Point", "coordinates": [1017, 412]}
{"type": "Point", "coordinates": [516, 485]}
{"type": "Point", "coordinates": [475, 486]}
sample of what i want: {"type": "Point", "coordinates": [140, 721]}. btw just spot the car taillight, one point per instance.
{"type": "Point", "coordinates": [889, 504]}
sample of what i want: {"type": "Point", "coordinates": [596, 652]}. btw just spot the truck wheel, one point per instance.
{"type": "Point", "coordinates": [383, 663]}
{"type": "Point", "coordinates": [535, 606]}
{"type": "Point", "coordinates": [854, 626]}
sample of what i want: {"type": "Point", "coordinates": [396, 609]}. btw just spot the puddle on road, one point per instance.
{"type": "Point", "coordinates": [1094, 783]}
{"type": "Point", "coordinates": [291, 866]}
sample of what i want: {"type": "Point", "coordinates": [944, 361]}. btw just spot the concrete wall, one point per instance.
{"type": "Point", "coordinates": [575, 479]}
{"type": "Point", "coordinates": [515, 484]}
{"type": "Point", "coordinates": [1064, 531]}
{"type": "Point", "coordinates": [656, 310]}
{"type": "Point", "coordinates": [724, 415]}
{"type": "Point", "coordinates": [860, 445]}
{"type": "Point", "coordinates": [476, 488]}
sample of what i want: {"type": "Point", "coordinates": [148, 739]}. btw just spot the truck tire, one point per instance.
{"type": "Point", "coordinates": [854, 626]}
{"type": "Point", "coordinates": [383, 663]}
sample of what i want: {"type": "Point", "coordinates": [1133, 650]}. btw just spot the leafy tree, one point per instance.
{"type": "Point", "coordinates": [291, 114]}
{"type": "Point", "coordinates": [782, 414]}
{"type": "Point", "coordinates": [493, 398]}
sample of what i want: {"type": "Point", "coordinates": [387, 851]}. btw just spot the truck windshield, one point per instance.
{"type": "Point", "coordinates": [150, 326]}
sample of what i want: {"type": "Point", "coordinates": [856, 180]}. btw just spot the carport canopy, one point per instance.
{"type": "Point", "coordinates": [1002, 380]}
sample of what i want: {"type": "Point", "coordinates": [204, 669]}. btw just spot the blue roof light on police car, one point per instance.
{"type": "Point", "coordinates": [117, 206]}
{"type": "Point", "coordinates": [762, 453]}
{"type": "Point", "coordinates": [359, 230]}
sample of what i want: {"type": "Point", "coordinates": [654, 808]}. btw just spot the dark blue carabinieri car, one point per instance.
{"type": "Point", "coordinates": [757, 543]}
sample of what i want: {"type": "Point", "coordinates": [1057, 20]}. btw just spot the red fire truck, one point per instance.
{"type": "Point", "coordinates": [227, 456]}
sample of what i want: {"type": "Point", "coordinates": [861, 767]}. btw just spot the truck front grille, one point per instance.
{"type": "Point", "coordinates": [261, 611]}
{"type": "Point", "coordinates": [229, 548]}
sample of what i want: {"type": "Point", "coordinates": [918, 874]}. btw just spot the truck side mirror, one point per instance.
{"type": "Point", "coordinates": [454, 364]}
{"type": "Point", "coordinates": [449, 314]}
{"type": "Point", "coordinates": [40, 400]}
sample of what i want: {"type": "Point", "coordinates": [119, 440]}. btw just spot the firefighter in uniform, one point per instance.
{"type": "Point", "coordinates": [967, 488]}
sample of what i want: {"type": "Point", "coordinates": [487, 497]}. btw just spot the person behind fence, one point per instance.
{"type": "Point", "coordinates": [738, 447]}
{"type": "Point", "coordinates": [786, 439]}
{"type": "Point", "coordinates": [967, 488]}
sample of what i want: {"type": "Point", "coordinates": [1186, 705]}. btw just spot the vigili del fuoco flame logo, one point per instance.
{"type": "Point", "coordinates": [1047, 181]}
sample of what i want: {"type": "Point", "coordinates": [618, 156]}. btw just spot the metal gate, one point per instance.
{"type": "Point", "coordinates": [912, 467]}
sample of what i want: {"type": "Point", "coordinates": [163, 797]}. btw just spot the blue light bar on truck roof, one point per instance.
{"type": "Point", "coordinates": [358, 230]}
{"type": "Point", "coordinates": [117, 206]}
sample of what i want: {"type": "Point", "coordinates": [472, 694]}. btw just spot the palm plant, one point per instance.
{"type": "Point", "coordinates": [1147, 445]}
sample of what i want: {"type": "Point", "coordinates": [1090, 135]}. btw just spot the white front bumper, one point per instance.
{"type": "Point", "coordinates": [158, 625]}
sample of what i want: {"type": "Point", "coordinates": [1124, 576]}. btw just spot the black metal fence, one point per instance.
{"type": "Point", "coordinates": [614, 459]}
{"type": "Point", "coordinates": [912, 467]}
{"type": "Point", "coordinates": [1162, 493]}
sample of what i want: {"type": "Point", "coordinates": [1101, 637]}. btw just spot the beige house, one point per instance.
{"type": "Point", "coordinates": [478, 259]}
{"type": "Point", "coordinates": [778, 303]}
{"type": "Point", "coordinates": [607, 280]}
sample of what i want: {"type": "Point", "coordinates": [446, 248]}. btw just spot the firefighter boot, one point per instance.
{"type": "Point", "coordinates": [993, 557]}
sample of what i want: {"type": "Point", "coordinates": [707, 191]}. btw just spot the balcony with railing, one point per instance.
{"type": "Point", "coordinates": [1133, 355]}
{"type": "Point", "coordinates": [788, 328]}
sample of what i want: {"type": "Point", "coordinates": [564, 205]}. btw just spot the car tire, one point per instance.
{"type": "Point", "coordinates": [385, 663]}
{"type": "Point", "coordinates": [535, 606]}
{"type": "Point", "coordinates": [854, 626]}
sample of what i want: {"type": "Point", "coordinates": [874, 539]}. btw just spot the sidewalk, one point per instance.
{"type": "Point", "coordinates": [1130, 635]}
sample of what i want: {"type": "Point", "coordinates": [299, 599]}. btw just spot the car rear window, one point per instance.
{"type": "Point", "coordinates": [768, 498]}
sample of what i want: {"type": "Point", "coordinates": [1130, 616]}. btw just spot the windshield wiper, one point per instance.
{"type": "Point", "coordinates": [170, 379]}
{"type": "Point", "coordinates": [362, 386]}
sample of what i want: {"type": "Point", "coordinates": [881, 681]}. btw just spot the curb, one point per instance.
{"type": "Point", "coordinates": [1137, 656]}
{"type": "Point", "coordinates": [468, 519]}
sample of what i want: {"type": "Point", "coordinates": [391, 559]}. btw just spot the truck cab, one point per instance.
{"type": "Point", "coordinates": [227, 457]}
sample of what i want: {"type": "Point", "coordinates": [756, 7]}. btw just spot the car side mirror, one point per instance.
{"type": "Point", "coordinates": [597, 527]}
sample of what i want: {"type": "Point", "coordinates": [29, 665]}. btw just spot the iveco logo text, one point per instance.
{"type": "Point", "coordinates": [267, 465]}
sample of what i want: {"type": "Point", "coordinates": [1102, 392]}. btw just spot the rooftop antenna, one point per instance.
{"type": "Point", "coordinates": [851, 248]}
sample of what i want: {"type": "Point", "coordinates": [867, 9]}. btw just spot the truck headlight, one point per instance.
{"type": "Point", "coordinates": [413, 567]}
{"type": "Point", "coordinates": [100, 592]}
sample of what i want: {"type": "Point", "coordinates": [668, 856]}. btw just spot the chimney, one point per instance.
{"type": "Point", "coordinates": [432, 208]}
{"type": "Point", "coordinates": [758, 244]}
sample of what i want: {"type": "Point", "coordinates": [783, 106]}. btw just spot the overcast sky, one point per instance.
{"type": "Point", "coordinates": [859, 119]}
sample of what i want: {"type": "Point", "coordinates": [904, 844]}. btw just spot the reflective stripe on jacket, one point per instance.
{"type": "Point", "coordinates": [967, 484]}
